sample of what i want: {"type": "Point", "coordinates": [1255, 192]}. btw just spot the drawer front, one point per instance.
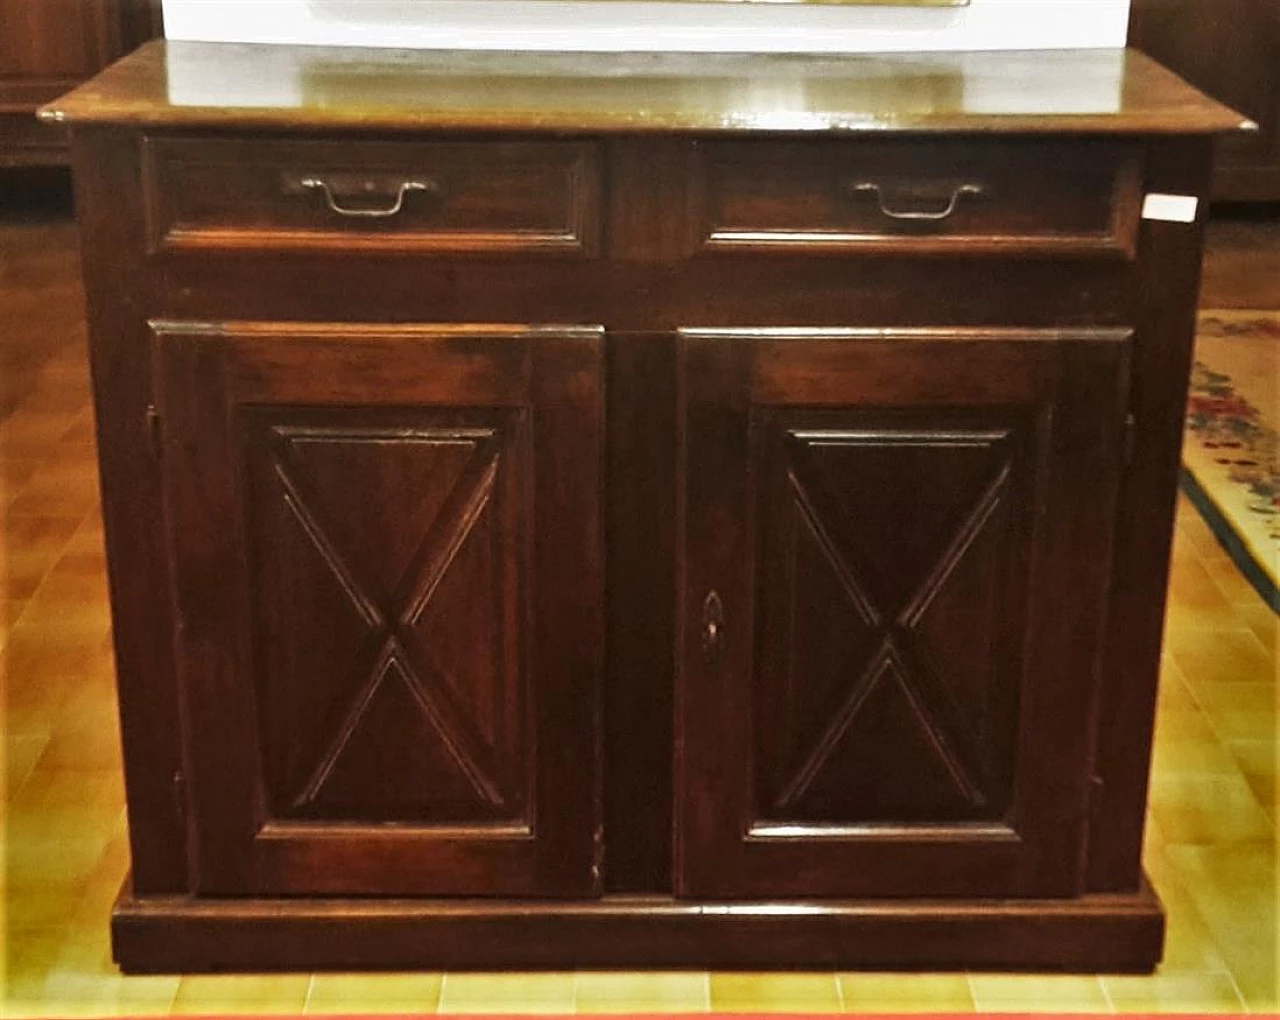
{"type": "Point", "coordinates": [918, 197]}
{"type": "Point", "coordinates": [290, 194]}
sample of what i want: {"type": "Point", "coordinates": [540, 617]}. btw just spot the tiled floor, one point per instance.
{"type": "Point", "coordinates": [1211, 849]}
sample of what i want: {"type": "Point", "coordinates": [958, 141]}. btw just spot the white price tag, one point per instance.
{"type": "Point", "coordinates": [1170, 208]}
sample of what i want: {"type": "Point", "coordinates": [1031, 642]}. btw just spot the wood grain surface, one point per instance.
{"type": "Point", "coordinates": [1211, 847]}
{"type": "Point", "coordinates": [186, 84]}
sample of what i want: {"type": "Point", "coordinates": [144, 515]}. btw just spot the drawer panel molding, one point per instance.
{"type": "Point", "coordinates": [993, 197]}
{"type": "Point", "coordinates": [456, 197]}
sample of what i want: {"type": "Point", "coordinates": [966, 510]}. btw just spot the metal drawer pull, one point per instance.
{"type": "Point", "coordinates": [317, 184]}
{"type": "Point", "coordinates": [914, 214]}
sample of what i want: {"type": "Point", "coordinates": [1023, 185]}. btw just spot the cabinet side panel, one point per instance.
{"type": "Point", "coordinates": [107, 194]}
{"type": "Point", "coordinates": [1169, 283]}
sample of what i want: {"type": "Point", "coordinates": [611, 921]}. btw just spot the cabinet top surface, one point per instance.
{"type": "Point", "coordinates": [185, 84]}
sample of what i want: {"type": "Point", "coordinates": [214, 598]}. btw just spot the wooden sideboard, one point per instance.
{"type": "Point", "coordinates": [638, 509]}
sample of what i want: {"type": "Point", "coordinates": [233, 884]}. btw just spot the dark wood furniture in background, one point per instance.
{"type": "Point", "coordinates": [50, 46]}
{"type": "Point", "coordinates": [576, 510]}
{"type": "Point", "coordinates": [1231, 49]}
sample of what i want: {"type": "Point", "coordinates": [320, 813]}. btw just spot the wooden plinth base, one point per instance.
{"type": "Point", "coordinates": [1097, 933]}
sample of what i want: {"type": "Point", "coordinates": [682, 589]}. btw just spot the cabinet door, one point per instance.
{"type": "Point", "coordinates": [387, 550]}
{"type": "Point", "coordinates": [895, 556]}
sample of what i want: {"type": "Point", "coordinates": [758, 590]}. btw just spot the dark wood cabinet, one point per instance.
{"type": "Point", "coordinates": [1231, 49]}
{"type": "Point", "coordinates": [567, 523]}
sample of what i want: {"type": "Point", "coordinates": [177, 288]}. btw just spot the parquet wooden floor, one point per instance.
{"type": "Point", "coordinates": [1212, 839]}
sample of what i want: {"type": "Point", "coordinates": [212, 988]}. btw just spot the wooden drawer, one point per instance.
{"type": "Point", "coordinates": [293, 194]}
{"type": "Point", "coordinates": [918, 197]}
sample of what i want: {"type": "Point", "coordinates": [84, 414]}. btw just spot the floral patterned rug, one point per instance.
{"type": "Point", "coordinates": [1231, 451]}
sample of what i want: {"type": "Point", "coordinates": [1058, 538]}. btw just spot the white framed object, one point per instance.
{"type": "Point", "coordinates": [637, 25]}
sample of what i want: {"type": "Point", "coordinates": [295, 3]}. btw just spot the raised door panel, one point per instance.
{"type": "Point", "coordinates": [386, 563]}
{"type": "Point", "coordinates": [895, 559]}
{"type": "Point", "coordinates": [387, 689]}
{"type": "Point", "coordinates": [888, 599]}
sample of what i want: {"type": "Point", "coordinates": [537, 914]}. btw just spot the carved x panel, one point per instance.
{"type": "Point", "coordinates": [388, 619]}
{"type": "Point", "coordinates": [884, 689]}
